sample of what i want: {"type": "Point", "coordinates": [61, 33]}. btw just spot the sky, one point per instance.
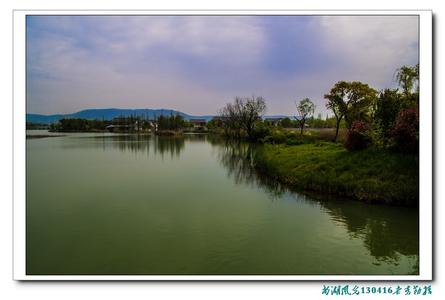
{"type": "Point", "coordinates": [197, 64]}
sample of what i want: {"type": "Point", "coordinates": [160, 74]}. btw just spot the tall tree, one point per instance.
{"type": "Point", "coordinates": [351, 101]}
{"type": "Point", "coordinates": [334, 104]}
{"type": "Point", "coordinates": [408, 78]}
{"type": "Point", "coordinates": [305, 109]}
{"type": "Point", "coordinates": [387, 108]}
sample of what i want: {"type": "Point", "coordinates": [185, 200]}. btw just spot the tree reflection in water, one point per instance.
{"type": "Point", "coordinates": [387, 232]}
{"type": "Point", "coordinates": [238, 159]}
{"type": "Point", "coordinates": [386, 235]}
{"type": "Point", "coordinates": [160, 145]}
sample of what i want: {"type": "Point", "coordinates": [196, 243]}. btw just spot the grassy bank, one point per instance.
{"type": "Point", "coordinates": [370, 175]}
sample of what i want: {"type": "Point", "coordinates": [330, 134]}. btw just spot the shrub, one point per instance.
{"type": "Point", "coordinates": [357, 137]}
{"type": "Point", "coordinates": [279, 137]}
{"type": "Point", "coordinates": [275, 137]}
{"type": "Point", "coordinates": [260, 131]}
{"type": "Point", "coordinates": [293, 141]}
{"type": "Point", "coordinates": [405, 134]}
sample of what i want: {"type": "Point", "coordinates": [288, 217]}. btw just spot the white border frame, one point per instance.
{"type": "Point", "coordinates": [19, 147]}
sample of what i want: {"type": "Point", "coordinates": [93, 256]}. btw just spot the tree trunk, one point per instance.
{"type": "Point", "coordinates": [336, 130]}
{"type": "Point", "coordinates": [301, 128]}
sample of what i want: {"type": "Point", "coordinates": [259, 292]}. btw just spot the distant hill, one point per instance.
{"type": "Point", "coordinates": [110, 113]}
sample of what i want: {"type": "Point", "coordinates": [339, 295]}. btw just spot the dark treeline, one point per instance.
{"type": "Point", "coordinates": [73, 125]}
{"type": "Point", "coordinates": [120, 124]}
{"type": "Point", "coordinates": [34, 126]}
{"type": "Point", "coordinates": [173, 122]}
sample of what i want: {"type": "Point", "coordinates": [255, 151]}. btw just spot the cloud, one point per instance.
{"type": "Point", "coordinates": [371, 48]}
{"type": "Point", "coordinates": [198, 63]}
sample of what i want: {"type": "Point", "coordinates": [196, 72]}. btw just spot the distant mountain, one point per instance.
{"type": "Point", "coordinates": [110, 113]}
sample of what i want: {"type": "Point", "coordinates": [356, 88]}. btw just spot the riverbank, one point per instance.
{"type": "Point", "coordinates": [371, 175]}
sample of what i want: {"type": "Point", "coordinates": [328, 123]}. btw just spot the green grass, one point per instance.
{"type": "Point", "coordinates": [371, 175]}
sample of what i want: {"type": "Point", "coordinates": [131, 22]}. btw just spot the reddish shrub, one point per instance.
{"type": "Point", "coordinates": [405, 133]}
{"type": "Point", "coordinates": [357, 136]}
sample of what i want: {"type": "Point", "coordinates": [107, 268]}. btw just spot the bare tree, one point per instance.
{"type": "Point", "coordinates": [231, 118]}
{"type": "Point", "coordinates": [252, 111]}
{"type": "Point", "coordinates": [242, 115]}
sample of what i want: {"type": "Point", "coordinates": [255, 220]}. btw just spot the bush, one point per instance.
{"type": "Point", "coordinates": [357, 137]}
{"type": "Point", "coordinates": [260, 131]}
{"type": "Point", "coordinates": [293, 141]}
{"type": "Point", "coordinates": [275, 137]}
{"type": "Point", "coordinates": [279, 137]}
{"type": "Point", "coordinates": [405, 134]}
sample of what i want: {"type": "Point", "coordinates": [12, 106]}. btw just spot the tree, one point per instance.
{"type": "Point", "coordinates": [387, 108]}
{"type": "Point", "coordinates": [252, 111]}
{"type": "Point", "coordinates": [231, 118]}
{"type": "Point", "coordinates": [305, 109]}
{"type": "Point", "coordinates": [242, 115]}
{"type": "Point", "coordinates": [408, 78]}
{"type": "Point", "coordinates": [351, 101]}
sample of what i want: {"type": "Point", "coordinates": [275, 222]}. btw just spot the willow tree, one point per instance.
{"type": "Point", "coordinates": [408, 78]}
{"type": "Point", "coordinates": [305, 109]}
{"type": "Point", "coordinates": [351, 101]}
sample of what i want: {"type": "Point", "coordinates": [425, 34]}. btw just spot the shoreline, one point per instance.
{"type": "Point", "coordinates": [324, 168]}
{"type": "Point", "coordinates": [371, 176]}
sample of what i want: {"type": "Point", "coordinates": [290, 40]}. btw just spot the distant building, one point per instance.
{"type": "Point", "coordinates": [198, 124]}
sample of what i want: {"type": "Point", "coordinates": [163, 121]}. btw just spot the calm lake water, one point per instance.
{"type": "Point", "coordinates": [127, 204]}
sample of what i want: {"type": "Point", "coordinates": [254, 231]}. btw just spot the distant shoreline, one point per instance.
{"type": "Point", "coordinates": [40, 136]}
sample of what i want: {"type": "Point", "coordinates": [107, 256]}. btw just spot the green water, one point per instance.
{"type": "Point", "coordinates": [115, 204]}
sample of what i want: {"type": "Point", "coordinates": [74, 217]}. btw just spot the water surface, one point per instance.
{"type": "Point", "coordinates": [127, 204]}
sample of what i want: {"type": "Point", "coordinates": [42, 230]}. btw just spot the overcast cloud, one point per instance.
{"type": "Point", "coordinates": [197, 64]}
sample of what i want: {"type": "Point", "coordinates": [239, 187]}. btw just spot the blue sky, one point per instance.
{"type": "Point", "coordinates": [196, 64]}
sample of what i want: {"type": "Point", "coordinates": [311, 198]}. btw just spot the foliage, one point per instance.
{"type": "Point", "coordinates": [276, 137]}
{"type": "Point", "coordinates": [288, 137]}
{"type": "Point", "coordinates": [78, 125]}
{"type": "Point", "coordinates": [373, 175]}
{"type": "Point", "coordinates": [408, 78]}
{"type": "Point", "coordinates": [127, 124]}
{"type": "Point", "coordinates": [214, 123]}
{"type": "Point", "coordinates": [260, 131]}
{"type": "Point", "coordinates": [173, 122]}
{"type": "Point", "coordinates": [357, 137]}
{"type": "Point", "coordinates": [242, 116]}
{"type": "Point", "coordinates": [387, 108]}
{"type": "Point", "coordinates": [32, 125]}
{"type": "Point", "coordinates": [406, 131]}
{"type": "Point", "coordinates": [305, 109]}
{"type": "Point", "coordinates": [352, 101]}
{"type": "Point", "coordinates": [287, 123]}
{"type": "Point", "coordinates": [231, 118]}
